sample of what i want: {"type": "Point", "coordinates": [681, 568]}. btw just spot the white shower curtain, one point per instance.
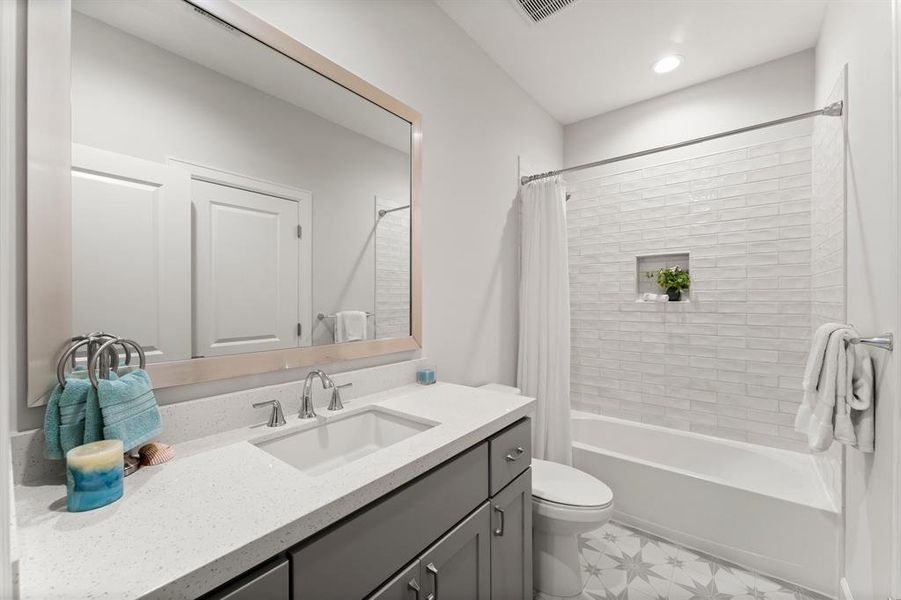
{"type": "Point", "coordinates": [543, 369]}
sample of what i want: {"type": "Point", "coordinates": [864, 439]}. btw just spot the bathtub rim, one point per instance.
{"type": "Point", "coordinates": [829, 504]}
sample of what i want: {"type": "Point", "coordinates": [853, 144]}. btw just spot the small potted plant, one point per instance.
{"type": "Point", "coordinates": [673, 280]}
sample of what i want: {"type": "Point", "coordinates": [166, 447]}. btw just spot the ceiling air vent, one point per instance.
{"type": "Point", "coordinates": [539, 10]}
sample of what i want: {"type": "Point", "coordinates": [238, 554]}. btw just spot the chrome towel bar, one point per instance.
{"type": "Point", "coordinates": [885, 341]}
{"type": "Point", "coordinates": [323, 316]}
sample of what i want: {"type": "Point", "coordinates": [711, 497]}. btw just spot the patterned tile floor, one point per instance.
{"type": "Point", "coordinates": [620, 563]}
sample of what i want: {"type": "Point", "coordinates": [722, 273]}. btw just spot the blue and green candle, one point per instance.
{"type": "Point", "coordinates": [426, 375]}
{"type": "Point", "coordinates": [94, 474]}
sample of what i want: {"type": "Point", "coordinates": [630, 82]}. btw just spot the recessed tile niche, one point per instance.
{"type": "Point", "coordinates": [652, 263]}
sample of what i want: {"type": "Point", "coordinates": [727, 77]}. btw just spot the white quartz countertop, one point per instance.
{"type": "Point", "coordinates": [224, 505]}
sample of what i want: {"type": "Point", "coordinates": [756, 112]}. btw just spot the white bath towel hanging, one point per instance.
{"type": "Point", "coordinates": [350, 326]}
{"type": "Point", "coordinates": [544, 318]}
{"type": "Point", "coordinates": [838, 391]}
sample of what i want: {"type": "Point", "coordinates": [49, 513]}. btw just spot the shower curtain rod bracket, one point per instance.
{"type": "Point", "coordinates": [832, 110]}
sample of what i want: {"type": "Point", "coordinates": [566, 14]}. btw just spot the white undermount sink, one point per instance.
{"type": "Point", "coordinates": [342, 440]}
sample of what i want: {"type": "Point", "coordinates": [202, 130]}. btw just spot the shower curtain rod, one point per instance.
{"type": "Point", "coordinates": [832, 110]}
{"type": "Point", "coordinates": [384, 212]}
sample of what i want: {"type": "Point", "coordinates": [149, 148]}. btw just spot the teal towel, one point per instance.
{"type": "Point", "coordinates": [129, 408]}
{"type": "Point", "coordinates": [52, 448]}
{"type": "Point", "coordinates": [72, 417]}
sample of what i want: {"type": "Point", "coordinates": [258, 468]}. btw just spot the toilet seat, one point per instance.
{"type": "Point", "coordinates": [566, 487]}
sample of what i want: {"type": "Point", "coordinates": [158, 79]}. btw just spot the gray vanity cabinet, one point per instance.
{"type": "Point", "coordinates": [462, 531]}
{"type": "Point", "coordinates": [511, 540]}
{"type": "Point", "coordinates": [355, 557]}
{"type": "Point", "coordinates": [407, 585]}
{"type": "Point", "coordinates": [458, 567]}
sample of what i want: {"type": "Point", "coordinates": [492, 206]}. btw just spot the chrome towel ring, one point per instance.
{"type": "Point", "coordinates": [102, 355]}
{"type": "Point", "coordinates": [92, 341]}
{"type": "Point", "coordinates": [107, 345]}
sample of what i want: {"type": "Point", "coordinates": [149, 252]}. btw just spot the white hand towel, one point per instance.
{"type": "Point", "coordinates": [861, 402]}
{"type": "Point", "coordinates": [817, 354]}
{"type": "Point", "coordinates": [350, 326]}
{"type": "Point", "coordinates": [838, 391]}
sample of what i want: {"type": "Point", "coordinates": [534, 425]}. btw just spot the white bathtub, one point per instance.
{"type": "Point", "coordinates": [765, 509]}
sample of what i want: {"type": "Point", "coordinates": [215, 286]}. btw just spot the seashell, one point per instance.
{"type": "Point", "coordinates": [155, 453]}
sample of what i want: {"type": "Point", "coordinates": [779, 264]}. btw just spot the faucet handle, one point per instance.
{"type": "Point", "coordinates": [276, 417]}
{"type": "Point", "coordinates": [336, 403]}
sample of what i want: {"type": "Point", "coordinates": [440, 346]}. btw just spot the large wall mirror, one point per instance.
{"type": "Point", "coordinates": [237, 203]}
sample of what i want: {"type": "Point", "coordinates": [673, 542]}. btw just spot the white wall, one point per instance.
{"type": "Point", "coordinates": [475, 123]}
{"type": "Point", "coordinates": [860, 34]}
{"type": "Point", "coordinates": [12, 80]}
{"type": "Point", "coordinates": [775, 89]}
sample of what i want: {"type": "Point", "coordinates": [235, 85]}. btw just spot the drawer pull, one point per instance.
{"type": "Point", "coordinates": [516, 454]}
{"type": "Point", "coordinates": [414, 585]}
{"type": "Point", "coordinates": [500, 530]}
{"type": "Point", "coordinates": [431, 568]}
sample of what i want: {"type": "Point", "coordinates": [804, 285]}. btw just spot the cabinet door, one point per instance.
{"type": "Point", "coordinates": [458, 566]}
{"type": "Point", "coordinates": [406, 586]}
{"type": "Point", "coordinates": [511, 540]}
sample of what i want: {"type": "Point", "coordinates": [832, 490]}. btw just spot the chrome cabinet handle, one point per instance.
{"type": "Point", "coordinates": [516, 454]}
{"type": "Point", "coordinates": [431, 568]}
{"type": "Point", "coordinates": [414, 585]}
{"type": "Point", "coordinates": [500, 530]}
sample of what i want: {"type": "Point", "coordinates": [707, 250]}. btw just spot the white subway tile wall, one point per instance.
{"type": "Point", "coordinates": [392, 270]}
{"type": "Point", "coordinates": [827, 280]}
{"type": "Point", "coordinates": [729, 362]}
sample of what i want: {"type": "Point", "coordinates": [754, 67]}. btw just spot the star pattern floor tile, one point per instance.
{"type": "Point", "coordinates": [621, 563]}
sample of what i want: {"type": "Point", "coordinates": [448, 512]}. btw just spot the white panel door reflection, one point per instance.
{"type": "Point", "coordinates": [131, 251]}
{"type": "Point", "coordinates": [248, 279]}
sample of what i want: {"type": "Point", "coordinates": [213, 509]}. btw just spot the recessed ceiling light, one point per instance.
{"type": "Point", "coordinates": [668, 63]}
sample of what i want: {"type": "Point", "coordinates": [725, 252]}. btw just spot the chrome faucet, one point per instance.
{"type": "Point", "coordinates": [276, 417]}
{"type": "Point", "coordinates": [306, 401]}
{"type": "Point", "coordinates": [336, 403]}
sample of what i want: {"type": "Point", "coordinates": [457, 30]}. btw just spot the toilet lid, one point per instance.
{"type": "Point", "coordinates": [561, 484]}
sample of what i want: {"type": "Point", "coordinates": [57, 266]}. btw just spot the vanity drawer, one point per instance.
{"type": "Point", "coordinates": [357, 555]}
{"type": "Point", "coordinates": [511, 453]}
{"type": "Point", "coordinates": [269, 582]}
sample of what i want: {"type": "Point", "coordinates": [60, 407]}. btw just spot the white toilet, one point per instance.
{"type": "Point", "coordinates": [565, 503]}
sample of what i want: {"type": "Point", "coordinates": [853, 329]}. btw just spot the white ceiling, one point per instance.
{"type": "Point", "coordinates": [596, 55]}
